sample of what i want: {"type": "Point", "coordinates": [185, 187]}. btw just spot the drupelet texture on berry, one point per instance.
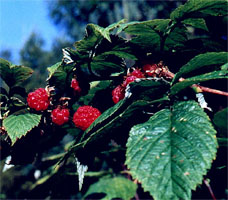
{"type": "Point", "coordinates": [60, 116]}
{"type": "Point", "coordinates": [137, 73]}
{"type": "Point", "coordinates": [85, 116]}
{"type": "Point", "coordinates": [38, 99]}
{"type": "Point", "coordinates": [118, 93]}
{"type": "Point", "coordinates": [75, 85]}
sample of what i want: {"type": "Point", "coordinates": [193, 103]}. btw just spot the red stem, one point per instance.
{"type": "Point", "coordinates": [200, 88]}
{"type": "Point", "coordinates": [136, 196]}
{"type": "Point", "coordinates": [209, 188]}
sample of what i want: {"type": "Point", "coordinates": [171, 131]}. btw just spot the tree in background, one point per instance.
{"type": "Point", "coordinates": [36, 57]}
{"type": "Point", "coordinates": [6, 54]}
{"type": "Point", "coordinates": [72, 16]}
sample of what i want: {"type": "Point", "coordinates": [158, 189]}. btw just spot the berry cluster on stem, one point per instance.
{"type": "Point", "coordinates": [82, 118]}
{"type": "Point", "coordinates": [147, 70]}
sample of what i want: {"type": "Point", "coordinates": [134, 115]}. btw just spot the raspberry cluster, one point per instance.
{"type": "Point", "coordinates": [38, 99]}
{"type": "Point", "coordinates": [60, 116]}
{"type": "Point", "coordinates": [119, 92]}
{"type": "Point", "coordinates": [85, 116]}
{"type": "Point", "coordinates": [147, 70]}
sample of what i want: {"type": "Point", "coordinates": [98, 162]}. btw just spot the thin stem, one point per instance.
{"type": "Point", "coordinates": [91, 59]}
{"type": "Point", "coordinates": [198, 87]}
{"type": "Point", "coordinates": [209, 90]}
{"type": "Point", "coordinates": [136, 196]}
{"type": "Point", "coordinates": [170, 28]}
{"type": "Point", "coordinates": [209, 188]}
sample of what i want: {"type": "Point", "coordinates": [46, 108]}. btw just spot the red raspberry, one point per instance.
{"type": "Point", "coordinates": [128, 80]}
{"type": "Point", "coordinates": [118, 93]}
{"type": "Point", "coordinates": [137, 73]}
{"type": "Point", "coordinates": [75, 85]}
{"type": "Point", "coordinates": [85, 116]}
{"type": "Point", "coordinates": [60, 116]}
{"type": "Point", "coordinates": [38, 99]}
{"type": "Point", "coordinates": [132, 76]}
{"type": "Point", "coordinates": [150, 69]}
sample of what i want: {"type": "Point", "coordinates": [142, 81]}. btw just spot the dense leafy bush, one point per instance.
{"type": "Point", "coordinates": [123, 110]}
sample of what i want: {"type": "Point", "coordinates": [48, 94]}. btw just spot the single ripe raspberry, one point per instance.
{"type": "Point", "coordinates": [150, 69]}
{"type": "Point", "coordinates": [128, 80]}
{"type": "Point", "coordinates": [75, 85]}
{"type": "Point", "coordinates": [85, 116]}
{"type": "Point", "coordinates": [118, 93]}
{"type": "Point", "coordinates": [38, 99]}
{"type": "Point", "coordinates": [60, 116]}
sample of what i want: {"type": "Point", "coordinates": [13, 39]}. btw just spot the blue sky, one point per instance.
{"type": "Point", "coordinates": [19, 18]}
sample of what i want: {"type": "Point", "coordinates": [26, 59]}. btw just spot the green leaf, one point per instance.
{"type": "Point", "coordinates": [88, 42]}
{"type": "Point", "coordinates": [125, 25]}
{"type": "Point", "coordinates": [149, 89]}
{"type": "Point", "coordinates": [176, 38]}
{"type": "Point", "coordinates": [107, 116]}
{"type": "Point", "coordinates": [95, 87]}
{"type": "Point", "coordinates": [171, 152]}
{"type": "Point", "coordinates": [94, 34]}
{"type": "Point", "coordinates": [19, 125]}
{"type": "Point", "coordinates": [196, 23]}
{"type": "Point", "coordinates": [60, 76]}
{"type": "Point", "coordinates": [115, 25]}
{"type": "Point", "coordinates": [4, 69]}
{"type": "Point", "coordinates": [200, 61]}
{"type": "Point", "coordinates": [105, 32]}
{"type": "Point", "coordinates": [147, 27]}
{"type": "Point", "coordinates": [106, 58]}
{"type": "Point", "coordinates": [20, 73]}
{"type": "Point", "coordinates": [53, 68]}
{"type": "Point", "coordinates": [58, 79]}
{"type": "Point", "coordinates": [220, 120]}
{"type": "Point", "coordinates": [121, 53]}
{"type": "Point", "coordinates": [197, 79]}
{"type": "Point", "coordinates": [224, 67]}
{"type": "Point", "coordinates": [200, 8]}
{"type": "Point", "coordinates": [117, 187]}
{"type": "Point", "coordinates": [105, 68]}
{"type": "Point", "coordinates": [99, 31]}
{"type": "Point", "coordinates": [147, 34]}
{"type": "Point", "coordinates": [13, 74]}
